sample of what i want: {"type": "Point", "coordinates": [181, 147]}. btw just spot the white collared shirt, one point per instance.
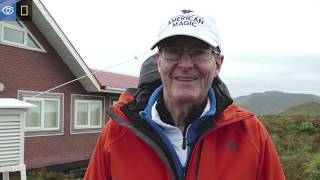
{"type": "Point", "coordinates": [173, 133]}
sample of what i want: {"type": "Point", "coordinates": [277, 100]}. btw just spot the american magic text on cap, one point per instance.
{"type": "Point", "coordinates": [190, 24]}
{"type": "Point", "coordinates": [186, 19]}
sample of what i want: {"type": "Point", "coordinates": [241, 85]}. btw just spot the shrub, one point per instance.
{"type": "Point", "coordinates": [306, 126]}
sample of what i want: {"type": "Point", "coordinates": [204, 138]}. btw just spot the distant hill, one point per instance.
{"type": "Point", "coordinates": [310, 109]}
{"type": "Point", "coordinates": [273, 102]}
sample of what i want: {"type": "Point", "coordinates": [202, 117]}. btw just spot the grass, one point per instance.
{"type": "Point", "coordinates": [297, 139]}
{"type": "Point", "coordinates": [42, 174]}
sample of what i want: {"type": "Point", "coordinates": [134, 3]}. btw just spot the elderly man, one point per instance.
{"type": "Point", "coordinates": [185, 126]}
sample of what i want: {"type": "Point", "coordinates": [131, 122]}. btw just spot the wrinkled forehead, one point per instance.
{"type": "Point", "coordinates": [183, 41]}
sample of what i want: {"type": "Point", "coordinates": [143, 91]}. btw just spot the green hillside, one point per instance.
{"type": "Point", "coordinates": [273, 102]}
{"type": "Point", "coordinates": [310, 109]}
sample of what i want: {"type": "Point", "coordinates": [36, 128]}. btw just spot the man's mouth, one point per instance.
{"type": "Point", "coordinates": [182, 78]}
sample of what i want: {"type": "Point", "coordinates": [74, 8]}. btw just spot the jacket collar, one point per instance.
{"type": "Point", "coordinates": [156, 94]}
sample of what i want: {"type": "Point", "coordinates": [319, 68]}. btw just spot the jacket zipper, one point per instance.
{"type": "Point", "coordinates": [184, 140]}
{"type": "Point", "coordinates": [200, 140]}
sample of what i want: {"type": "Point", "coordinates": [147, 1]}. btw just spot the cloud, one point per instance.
{"type": "Point", "coordinates": [289, 72]}
{"type": "Point", "coordinates": [268, 44]}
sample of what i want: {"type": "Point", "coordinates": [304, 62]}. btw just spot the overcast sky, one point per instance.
{"type": "Point", "coordinates": [268, 44]}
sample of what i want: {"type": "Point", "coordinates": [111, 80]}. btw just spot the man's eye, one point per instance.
{"type": "Point", "coordinates": [173, 50]}
{"type": "Point", "coordinates": [198, 51]}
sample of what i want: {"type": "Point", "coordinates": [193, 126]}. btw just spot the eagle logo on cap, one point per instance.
{"type": "Point", "coordinates": [184, 11]}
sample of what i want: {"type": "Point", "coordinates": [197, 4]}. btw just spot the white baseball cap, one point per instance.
{"type": "Point", "coordinates": [188, 23]}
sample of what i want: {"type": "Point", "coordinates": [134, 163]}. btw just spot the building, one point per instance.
{"type": "Point", "coordinates": [36, 56]}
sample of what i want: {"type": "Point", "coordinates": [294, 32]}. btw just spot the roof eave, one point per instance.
{"type": "Point", "coordinates": [52, 32]}
{"type": "Point", "coordinates": [113, 90]}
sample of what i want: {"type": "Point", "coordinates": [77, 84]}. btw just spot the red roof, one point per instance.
{"type": "Point", "coordinates": [116, 80]}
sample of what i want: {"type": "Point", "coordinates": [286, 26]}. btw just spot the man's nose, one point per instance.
{"type": "Point", "coordinates": [186, 60]}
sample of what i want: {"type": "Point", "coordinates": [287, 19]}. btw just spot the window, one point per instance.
{"type": "Point", "coordinates": [88, 114]}
{"type": "Point", "coordinates": [16, 34]}
{"type": "Point", "coordinates": [113, 100]}
{"type": "Point", "coordinates": [13, 35]}
{"type": "Point", "coordinates": [43, 117]}
{"type": "Point", "coordinates": [32, 43]}
{"type": "Point", "coordinates": [47, 117]}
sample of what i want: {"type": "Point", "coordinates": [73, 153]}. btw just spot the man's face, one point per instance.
{"type": "Point", "coordinates": [187, 79]}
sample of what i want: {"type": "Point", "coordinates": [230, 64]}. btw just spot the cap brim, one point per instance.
{"type": "Point", "coordinates": [198, 35]}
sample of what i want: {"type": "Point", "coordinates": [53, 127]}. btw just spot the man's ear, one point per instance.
{"type": "Point", "coordinates": [219, 61]}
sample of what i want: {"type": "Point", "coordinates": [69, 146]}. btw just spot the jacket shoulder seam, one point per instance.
{"type": "Point", "coordinates": [118, 138]}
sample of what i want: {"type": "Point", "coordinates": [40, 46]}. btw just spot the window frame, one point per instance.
{"type": "Point", "coordinates": [21, 94]}
{"type": "Point", "coordinates": [26, 33]}
{"type": "Point", "coordinates": [9, 26]}
{"type": "Point", "coordinates": [42, 114]}
{"type": "Point", "coordinates": [112, 99]}
{"type": "Point", "coordinates": [73, 129]}
{"type": "Point", "coordinates": [76, 126]}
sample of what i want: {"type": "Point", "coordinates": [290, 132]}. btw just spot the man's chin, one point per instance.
{"type": "Point", "coordinates": [186, 97]}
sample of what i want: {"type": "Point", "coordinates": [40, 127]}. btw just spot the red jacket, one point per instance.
{"type": "Point", "coordinates": [237, 148]}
